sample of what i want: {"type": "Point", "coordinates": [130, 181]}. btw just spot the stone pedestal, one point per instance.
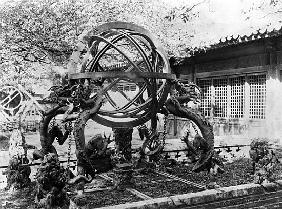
{"type": "Point", "coordinates": [123, 168]}
{"type": "Point", "coordinates": [123, 176]}
{"type": "Point", "coordinates": [123, 138]}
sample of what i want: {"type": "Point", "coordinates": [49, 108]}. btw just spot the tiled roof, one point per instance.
{"type": "Point", "coordinates": [231, 40]}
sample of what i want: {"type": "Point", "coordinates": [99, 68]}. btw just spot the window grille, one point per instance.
{"type": "Point", "coordinates": [220, 103]}
{"type": "Point", "coordinates": [120, 87]}
{"type": "Point", "coordinates": [126, 88]}
{"type": "Point", "coordinates": [237, 99]}
{"type": "Point", "coordinates": [257, 96]}
{"type": "Point", "coordinates": [205, 86]}
{"type": "Point", "coordinates": [230, 94]}
{"type": "Point", "coordinates": [133, 87]}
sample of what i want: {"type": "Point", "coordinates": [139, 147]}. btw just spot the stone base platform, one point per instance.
{"type": "Point", "coordinates": [242, 196]}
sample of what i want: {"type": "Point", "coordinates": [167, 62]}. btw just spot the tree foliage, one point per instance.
{"type": "Point", "coordinates": [268, 10]}
{"type": "Point", "coordinates": [36, 35]}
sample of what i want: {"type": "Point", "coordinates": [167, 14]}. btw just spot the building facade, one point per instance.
{"type": "Point", "coordinates": [241, 85]}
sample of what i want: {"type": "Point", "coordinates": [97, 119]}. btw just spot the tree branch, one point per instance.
{"type": "Point", "coordinates": [271, 13]}
{"type": "Point", "coordinates": [191, 8]}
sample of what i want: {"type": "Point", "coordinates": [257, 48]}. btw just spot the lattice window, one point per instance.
{"type": "Point", "coordinates": [235, 88]}
{"type": "Point", "coordinates": [237, 99]}
{"type": "Point", "coordinates": [257, 96]}
{"type": "Point", "coordinates": [220, 106]}
{"type": "Point", "coordinates": [205, 86]}
{"type": "Point", "coordinates": [133, 87]}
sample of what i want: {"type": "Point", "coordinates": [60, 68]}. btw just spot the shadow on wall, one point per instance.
{"type": "Point", "coordinates": [222, 127]}
{"type": "Point", "coordinates": [230, 127]}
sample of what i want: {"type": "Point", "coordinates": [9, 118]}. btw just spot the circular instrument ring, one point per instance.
{"type": "Point", "coordinates": [8, 95]}
{"type": "Point", "coordinates": [145, 64]}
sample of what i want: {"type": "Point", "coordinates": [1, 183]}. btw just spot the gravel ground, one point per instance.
{"type": "Point", "coordinates": [106, 198]}
{"type": "Point", "coordinates": [153, 185]}
{"type": "Point", "coordinates": [237, 171]}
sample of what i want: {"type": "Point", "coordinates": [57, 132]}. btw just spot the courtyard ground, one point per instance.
{"type": "Point", "coordinates": [92, 129]}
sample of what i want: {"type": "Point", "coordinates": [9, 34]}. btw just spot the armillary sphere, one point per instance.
{"type": "Point", "coordinates": [133, 69]}
{"type": "Point", "coordinates": [10, 98]}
